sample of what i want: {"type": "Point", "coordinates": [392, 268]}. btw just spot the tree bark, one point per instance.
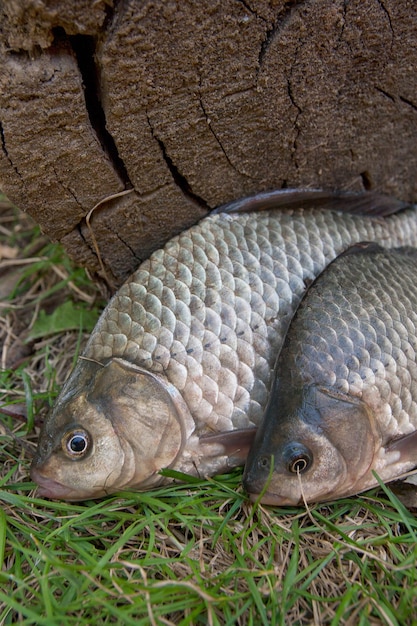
{"type": "Point", "coordinates": [192, 104]}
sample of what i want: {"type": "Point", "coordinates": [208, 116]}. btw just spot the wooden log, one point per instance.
{"type": "Point", "coordinates": [192, 104]}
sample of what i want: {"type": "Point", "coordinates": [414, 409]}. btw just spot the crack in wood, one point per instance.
{"type": "Point", "coordinates": [387, 13]}
{"type": "Point", "coordinates": [385, 93]}
{"type": "Point", "coordinates": [408, 102]}
{"type": "Point", "coordinates": [343, 25]}
{"type": "Point", "coordinates": [137, 258]}
{"type": "Point", "coordinates": [283, 16]}
{"type": "Point", "coordinates": [290, 91]}
{"type": "Point", "coordinates": [6, 152]}
{"type": "Point", "coordinates": [213, 132]}
{"type": "Point", "coordinates": [402, 99]}
{"type": "Point", "coordinates": [178, 178]}
{"type": "Point", "coordinates": [366, 180]}
{"type": "Point", "coordinates": [345, 20]}
{"type": "Point", "coordinates": [252, 11]}
{"type": "Point", "coordinates": [84, 48]}
{"type": "Point", "coordinates": [66, 188]}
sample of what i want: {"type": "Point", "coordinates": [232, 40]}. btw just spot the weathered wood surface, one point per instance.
{"type": "Point", "coordinates": [191, 104]}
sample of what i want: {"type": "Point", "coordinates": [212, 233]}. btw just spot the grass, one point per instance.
{"type": "Point", "coordinates": [191, 553]}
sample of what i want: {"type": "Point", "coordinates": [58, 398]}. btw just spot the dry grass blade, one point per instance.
{"type": "Point", "coordinates": [88, 221]}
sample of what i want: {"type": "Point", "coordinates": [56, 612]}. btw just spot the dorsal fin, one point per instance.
{"type": "Point", "coordinates": [362, 203]}
{"type": "Point", "coordinates": [371, 247]}
{"type": "Point", "coordinates": [363, 247]}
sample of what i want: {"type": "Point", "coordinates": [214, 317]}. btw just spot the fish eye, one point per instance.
{"type": "Point", "coordinates": [298, 458]}
{"type": "Point", "coordinates": [76, 443]}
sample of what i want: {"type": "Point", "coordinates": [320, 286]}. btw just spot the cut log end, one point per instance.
{"type": "Point", "coordinates": [192, 105]}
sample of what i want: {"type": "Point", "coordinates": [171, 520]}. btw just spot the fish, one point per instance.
{"type": "Point", "coordinates": [343, 405]}
{"type": "Point", "coordinates": [176, 374]}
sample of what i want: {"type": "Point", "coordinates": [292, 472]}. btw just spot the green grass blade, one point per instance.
{"type": "Point", "coordinates": [3, 528]}
{"type": "Point", "coordinates": [29, 401]}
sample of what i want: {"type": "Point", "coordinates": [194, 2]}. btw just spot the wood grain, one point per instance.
{"type": "Point", "coordinates": [194, 104]}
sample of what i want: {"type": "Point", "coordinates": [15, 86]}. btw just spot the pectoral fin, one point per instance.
{"type": "Point", "coordinates": [406, 446]}
{"type": "Point", "coordinates": [235, 443]}
{"type": "Point", "coordinates": [406, 490]}
{"type": "Point", "coordinates": [362, 203]}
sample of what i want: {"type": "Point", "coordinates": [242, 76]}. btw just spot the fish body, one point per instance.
{"type": "Point", "coordinates": [178, 370]}
{"type": "Point", "coordinates": [344, 401]}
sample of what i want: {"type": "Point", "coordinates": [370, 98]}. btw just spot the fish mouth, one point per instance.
{"type": "Point", "coordinates": [259, 492]}
{"type": "Point", "coordinates": [273, 499]}
{"type": "Point", "coordinates": [49, 488]}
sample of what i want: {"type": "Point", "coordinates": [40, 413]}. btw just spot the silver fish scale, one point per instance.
{"type": "Point", "coordinates": [356, 332]}
{"type": "Point", "coordinates": [211, 308]}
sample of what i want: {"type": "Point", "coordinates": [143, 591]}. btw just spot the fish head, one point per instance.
{"type": "Point", "coordinates": [315, 445]}
{"type": "Point", "coordinates": [113, 427]}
